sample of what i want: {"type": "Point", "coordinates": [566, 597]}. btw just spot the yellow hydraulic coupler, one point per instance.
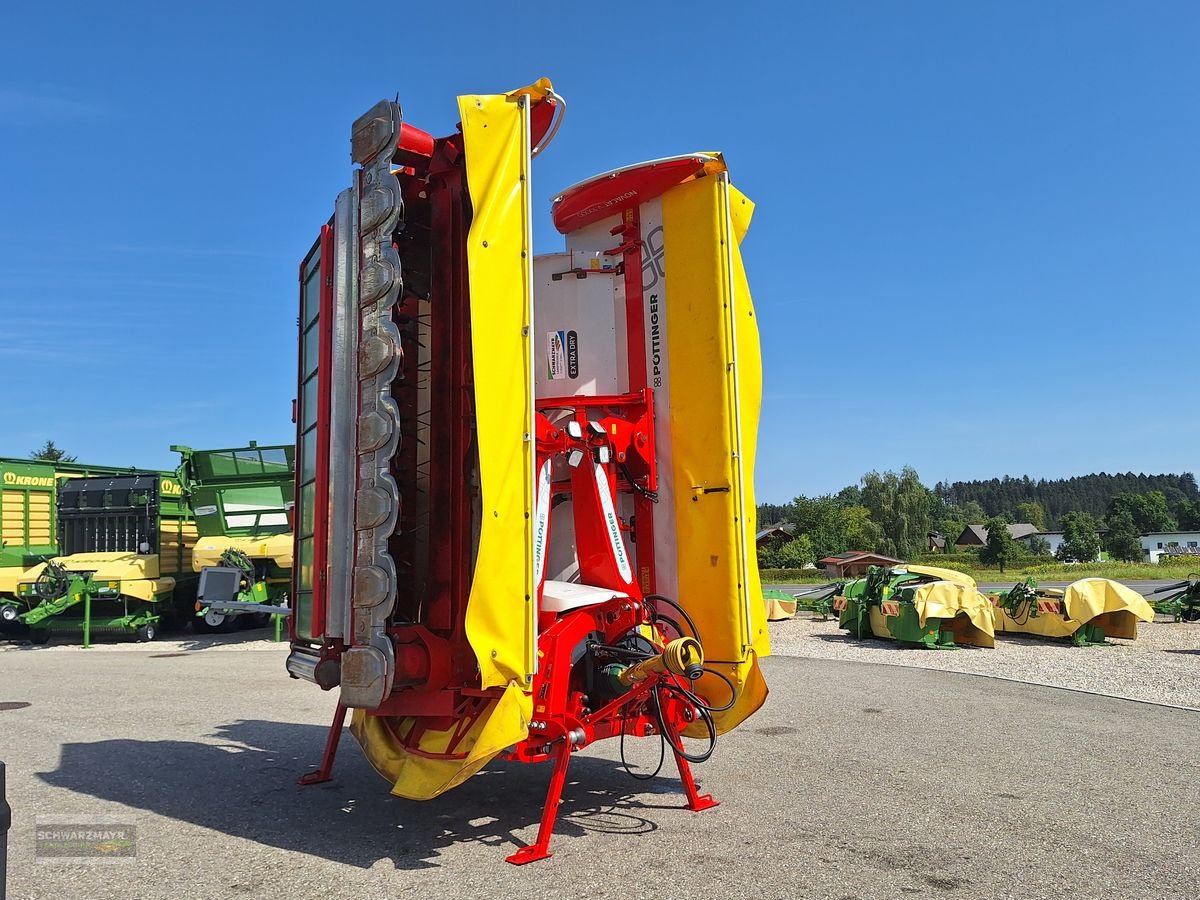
{"type": "Point", "coordinates": [683, 656]}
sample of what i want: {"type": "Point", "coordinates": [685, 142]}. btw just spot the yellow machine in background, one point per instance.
{"type": "Point", "coordinates": [1086, 612]}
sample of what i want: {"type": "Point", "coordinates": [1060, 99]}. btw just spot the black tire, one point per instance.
{"type": "Point", "coordinates": [39, 635]}
{"type": "Point", "coordinates": [202, 625]}
{"type": "Point", "coordinates": [147, 632]}
{"type": "Point", "coordinates": [8, 613]}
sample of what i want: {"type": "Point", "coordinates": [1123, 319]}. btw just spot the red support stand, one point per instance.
{"type": "Point", "coordinates": [324, 771]}
{"type": "Point", "coordinates": [540, 849]}
{"type": "Point", "coordinates": [697, 802]}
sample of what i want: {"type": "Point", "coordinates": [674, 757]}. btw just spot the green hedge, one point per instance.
{"type": "Point", "coordinates": [788, 576]}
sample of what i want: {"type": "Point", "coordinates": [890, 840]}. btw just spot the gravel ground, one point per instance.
{"type": "Point", "coordinates": [1161, 666]}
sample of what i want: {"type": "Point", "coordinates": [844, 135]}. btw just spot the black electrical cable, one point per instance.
{"type": "Point", "coordinates": [705, 716]}
{"type": "Point", "coordinates": [673, 687]}
{"type": "Point", "coordinates": [657, 617]}
{"type": "Point", "coordinates": [662, 752]}
{"type": "Point", "coordinates": [655, 598]}
{"type": "Point", "coordinates": [652, 496]}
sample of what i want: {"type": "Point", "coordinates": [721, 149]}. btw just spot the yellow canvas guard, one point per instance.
{"type": "Point", "coordinates": [1083, 601]}
{"type": "Point", "coordinates": [947, 599]}
{"type": "Point", "coordinates": [779, 606]}
{"type": "Point", "coordinates": [713, 337]}
{"type": "Point", "coordinates": [943, 574]}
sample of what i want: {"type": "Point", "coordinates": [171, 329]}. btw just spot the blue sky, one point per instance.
{"type": "Point", "coordinates": [975, 249]}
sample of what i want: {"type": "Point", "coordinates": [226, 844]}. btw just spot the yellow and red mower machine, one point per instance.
{"type": "Point", "coordinates": [524, 484]}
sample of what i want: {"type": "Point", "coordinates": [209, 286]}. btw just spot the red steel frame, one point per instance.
{"type": "Point", "coordinates": [320, 510]}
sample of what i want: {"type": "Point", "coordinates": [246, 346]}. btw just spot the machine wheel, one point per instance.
{"type": "Point", "coordinates": [146, 632]}
{"type": "Point", "coordinates": [214, 622]}
{"type": "Point", "coordinates": [8, 613]}
{"type": "Point", "coordinates": [39, 635]}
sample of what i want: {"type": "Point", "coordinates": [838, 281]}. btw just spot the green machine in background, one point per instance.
{"type": "Point", "coordinates": [1086, 612]}
{"type": "Point", "coordinates": [28, 523]}
{"type": "Point", "coordinates": [242, 498]}
{"type": "Point", "coordinates": [125, 544]}
{"type": "Point", "coordinates": [1182, 601]}
{"type": "Point", "coordinates": [916, 606]}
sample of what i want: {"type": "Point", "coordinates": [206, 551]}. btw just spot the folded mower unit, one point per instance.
{"type": "Point", "coordinates": [524, 511]}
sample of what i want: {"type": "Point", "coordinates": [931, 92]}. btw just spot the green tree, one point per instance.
{"type": "Point", "coordinates": [1032, 512]}
{"type": "Point", "coordinates": [1148, 511]}
{"type": "Point", "coordinates": [767, 557]}
{"type": "Point", "coordinates": [796, 554]}
{"type": "Point", "coordinates": [862, 532]}
{"type": "Point", "coordinates": [1039, 546]}
{"type": "Point", "coordinates": [51, 453]}
{"type": "Point", "coordinates": [1081, 540]}
{"type": "Point", "coordinates": [1187, 514]}
{"type": "Point", "coordinates": [1123, 539]}
{"type": "Point", "coordinates": [900, 505]}
{"type": "Point", "coordinates": [1000, 548]}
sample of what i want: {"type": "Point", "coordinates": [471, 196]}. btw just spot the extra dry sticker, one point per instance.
{"type": "Point", "coordinates": [562, 356]}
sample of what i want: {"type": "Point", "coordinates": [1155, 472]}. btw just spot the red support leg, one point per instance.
{"type": "Point", "coordinates": [540, 849]}
{"type": "Point", "coordinates": [324, 771]}
{"type": "Point", "coordinates": [697, 802]}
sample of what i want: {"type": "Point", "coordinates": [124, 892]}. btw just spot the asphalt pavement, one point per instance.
{"type": "Point", "coordinates": [855, 781]}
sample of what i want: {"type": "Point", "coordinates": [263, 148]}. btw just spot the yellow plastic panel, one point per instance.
{"type": "Point", "coordinates": [41, 524]}
{"type": "Point", "coordinates": [277, 548]}
{"type": "Point", "coordinates": [712, 335]}
{"type": "Point", "coordinates": [176, 538]}
{"type": "Point", "coordinates": [500, 618]}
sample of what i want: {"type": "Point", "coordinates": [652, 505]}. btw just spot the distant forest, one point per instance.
{"type": "Point", "coordinates": [1085, 493]}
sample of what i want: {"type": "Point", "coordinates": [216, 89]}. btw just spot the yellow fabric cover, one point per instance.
{"type": "Point", "coordinates": [712, 336]}
{"type": "Point", "coordinates": [275, 547]}
{"type": "Point", "coordinates": [500, 619]}
{"type": "Point", "coordinates": [421, 778]}
{"type": "Point", "coordinates": [1083, 601]}
{"type": "Point", "coordinates": [943, 574]}
{"type": "Point", "coordinates": [947, 599]}
{"type": "Point", "coordinates": [779, 606]}
{"type": "Point", "coordinates": [1091, 597]}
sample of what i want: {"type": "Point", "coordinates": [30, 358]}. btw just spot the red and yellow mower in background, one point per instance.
{"type": "Point", "coordinates": [524, 512]}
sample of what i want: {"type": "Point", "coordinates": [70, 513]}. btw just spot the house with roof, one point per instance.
{"type": "Point", "coordinates": [977, 535]}
{"type": "Point", "coordinates": [854, 563]}
{"type": "Point", "coordinates": [1158, 544]}
{"type": "Point", "coordinates": [776, 534]}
